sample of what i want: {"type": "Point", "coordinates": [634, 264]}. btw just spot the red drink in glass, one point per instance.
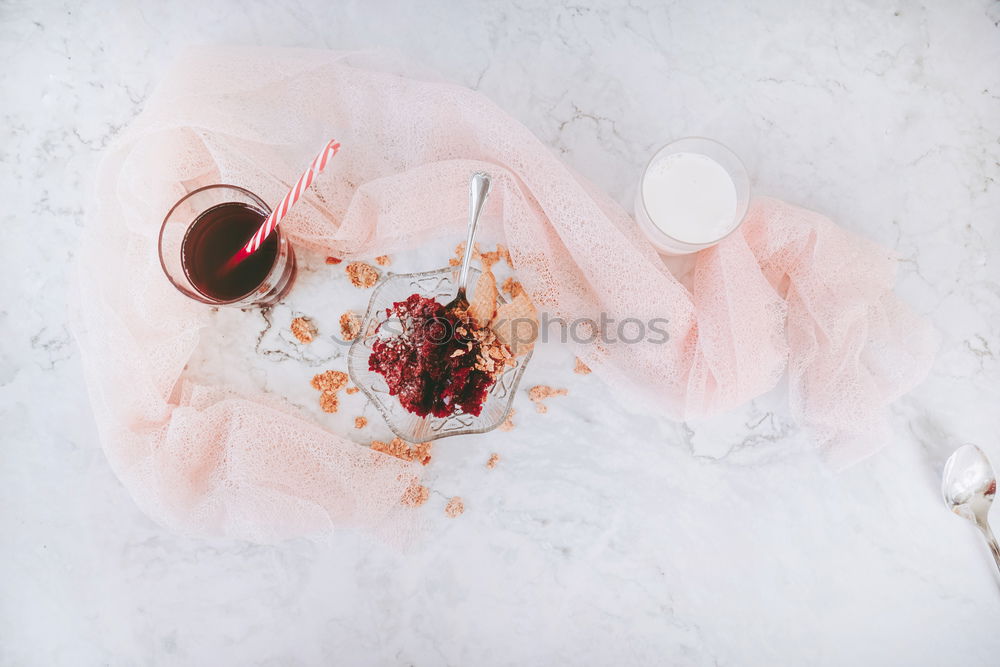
{"type": "Point", "coordinates": [205, 230]}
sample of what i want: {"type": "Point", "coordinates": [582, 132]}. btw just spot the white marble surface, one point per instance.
{"type": "Point", "coordinates": [604, 537]}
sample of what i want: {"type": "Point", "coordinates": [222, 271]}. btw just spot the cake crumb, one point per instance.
{"type": "Point", "coordinates": [488, 259]}
{"type": "Point", "coordinates": [333, 260]}
{"type": "Point", "coordinates": [460, 254]}
{"type": "Point", "coordinates": [395, 447]}
{"type": "Point", "coordinates": [494, 460]}
{"type": "Point", "coordinates": [352, 390]}
{"type": "Point", "coordinates": [350, 325]}
{"type": "Point", "coordinates": [540, 392]}
{"type": "Point", "coordinates": [303, 329]}
{"type": "Point", "coordinates": [508, 423]}
{"type": "Point", "coordinates": [416, 495]}
{"type": "Point", "coordinates": [328, 401]}
{"type": "Point", "coordinates": [362, 275]}
{"type": "Point", "coordinates": [505, 254]}
{"type": "Point", "coordinates": [581, 368]}
{"type": "Point", "coordinates": [329, 381]}
{"type": "Point", "coordinates": [382, 260]}
{"type": "Point", "coordinates": [512, 287]}
{"type": "Point", "coordinates": [454, 507]}
{"type": "Point", "coordinates": [360, 422]}
{"type": "Point", "coordinates": [421, 452]}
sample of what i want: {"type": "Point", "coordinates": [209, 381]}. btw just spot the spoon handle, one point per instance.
{"type": "Point", "coordinates": [991, 541]}
{"type": "Point", "coordinates": [479, 190]}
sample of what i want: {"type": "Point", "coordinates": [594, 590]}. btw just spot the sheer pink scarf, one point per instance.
{"type": "Point", "coordinates": [789, 292]}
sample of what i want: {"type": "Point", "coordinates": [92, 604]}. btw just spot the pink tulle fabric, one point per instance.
{"type": "Point", "coordinates": [790, 292]}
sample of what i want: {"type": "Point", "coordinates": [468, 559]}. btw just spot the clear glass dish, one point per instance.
{"type": "Point", "coordinates": [439, 285]}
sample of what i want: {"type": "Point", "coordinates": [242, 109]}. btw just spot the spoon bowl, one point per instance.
{"type": "Point", "coordinates": [968, 487]}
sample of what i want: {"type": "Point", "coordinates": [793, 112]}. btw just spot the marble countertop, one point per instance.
{"type": "Point", "coordinates": [604, 537]}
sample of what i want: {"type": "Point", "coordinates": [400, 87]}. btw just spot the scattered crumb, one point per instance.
{"type": "Point", "coordinates": [505, 254]}
{"type": "Point", "coordinates": [382, 260]}
{"type": "Point", "coordinates": [360, 422]}
{"type": "Point", "coordinates": [422, 452]}
{"type": "Point", "coordinates": [328, 401]}
{"type": "Point", "coordinates": [333, 260]}
{"type": "Point", "coordinates": [508, 423]}
{"type": "Point", "coordinates": [512, 287]}
{"type": "Point", "coordinates": [540, 392]}
{"type": "Point", "coordinates": [395, 447]}
{"type": "Point", "coordinates": [494, 460]}
{"type": "Point", "coordinates": [581, 368]}
{"type": "Point", "coordinates": [460, 253]}
{"type": "Point", "coordinates": [488, 259]}
{"type": "Point", "coordinates": [362, 275]}
{"type": "Point", "coordinates": [330, 381]}
{"type": "Point", "coordinates": [303, 329]}
{"type": "Point", "coordinates": [352, 390]}
{"type": "Point", "coordinates": [350, 325]}
{"type": "Point", "coordinates": [416, 495]}
{"type": "Point", "coordinates": [454, 507]}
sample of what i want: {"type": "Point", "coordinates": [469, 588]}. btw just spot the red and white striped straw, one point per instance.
{"type": "Point", "coordinates": [281, 210]}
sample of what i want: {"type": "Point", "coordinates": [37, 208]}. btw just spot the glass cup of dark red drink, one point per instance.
{"type": "Point", "coordinates": [205, 230]}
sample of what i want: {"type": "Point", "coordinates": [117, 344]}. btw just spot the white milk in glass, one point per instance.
{"type": "Point", "coordinates": [690, 197]}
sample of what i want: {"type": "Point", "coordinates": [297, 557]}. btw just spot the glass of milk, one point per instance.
{"type": "Point", "coordinates": [694, 192]}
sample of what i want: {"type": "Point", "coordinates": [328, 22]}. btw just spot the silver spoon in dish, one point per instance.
{"type": "Point", "coordinates": [968, 486]}
{"type": "Point", "coordinates": [479, 190]}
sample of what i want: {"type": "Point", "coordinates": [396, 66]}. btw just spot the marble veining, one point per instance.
{"type": "Point", "coordinates": [605, 536]}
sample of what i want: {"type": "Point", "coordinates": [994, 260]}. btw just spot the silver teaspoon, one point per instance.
{"type": "Point", "coordinates": [968, 487]}
{"type": "Point", "coordinates": [479, 190]}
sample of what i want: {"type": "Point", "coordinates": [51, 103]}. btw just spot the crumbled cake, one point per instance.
{"type": "Point", "coordinates": [328, 383]}
{"type": "Point", "coordinates": [512, 287]}
{"type": "Point", "coordinates": [382, 260]}
{"type": "Point", "coordinates": [580, 367]}
{"type": "Point", "coordinates": [416, 495]}
{"type": "Point", "coordinates": [540, 392]}
{"type": "Point", "coordinates": [360, 422]}
{"type": "Point", "coordinates": [454, 507]}
{"type": "Point", "coordinates": [442, 362]}
{"type": "Point", "coordinates": [446, 359]}
{"type": "Point", "coordinates": [460, 253]}
{"type": "Point", "coordinates": [494, 460]}
{"type": "Point", "coordinates": [303, 329]}
{"type": "Point", "coordinates": [328, 401]}
{"type": "Point", "coordinates": [395, 447]}
{"type": "Point", "coordinates": [350, 325]}
{"type": "Point", "coordinates": [331, 381]}
{"type": "Point", "coordinates": [352, 390]}
{"type": "Point", "coordinates": [362, 275]}
{"type": "Point", "coordinates": [420, 452]}
{"type": "Point", "coordinates": [508, 423]}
